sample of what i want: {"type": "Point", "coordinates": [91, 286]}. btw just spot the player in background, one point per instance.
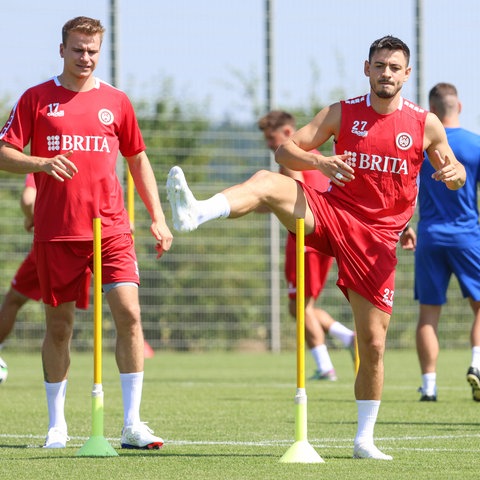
{"type": "Point", "coordinates": [448, 243]}
{"type": "Point", "coordinates": [379, 143]}
{"type": "Point", "coordinates": [25, 284]}
{"type": "Point", "coordinates": [76, 125]}
{"type": "Point", "coordinates": [21, 290]}
{"type": "Point", "coordinates": [278, 126]}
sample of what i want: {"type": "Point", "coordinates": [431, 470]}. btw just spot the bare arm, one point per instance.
{"type": "Point", "coordinates": [146, 186]}
{"type": "Point", "coordinates": [14, 161]}
{"type": "Point", "coordinates": [295, 174]}
{"type": "Point", "coordinates": [27, 203]}
{"type": "Point", "coordinates": [408, 239]}
{"type": "Point", "coordinates": [448, 169]}
{"type": "Point", "coordinates": [295, 152]}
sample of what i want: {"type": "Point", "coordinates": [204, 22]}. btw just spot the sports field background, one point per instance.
{"type": "Point", "coordinates": [213, 289]}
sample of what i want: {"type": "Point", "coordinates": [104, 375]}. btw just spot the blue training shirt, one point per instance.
{"type": "Point", "coordinates": [450, 217]}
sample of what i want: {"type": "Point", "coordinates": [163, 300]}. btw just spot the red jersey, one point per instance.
{"type": "Point", "coordinates": [317, 265]}
{"type": "Point", "coordinates": [316, 179]}
{"type": "Point", "coordinates": [96, 125]}
{"type": "Point", "coordinates": [387, 153]}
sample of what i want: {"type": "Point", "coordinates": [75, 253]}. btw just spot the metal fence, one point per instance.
{"type": "Point", "coordinates": [212, 290]}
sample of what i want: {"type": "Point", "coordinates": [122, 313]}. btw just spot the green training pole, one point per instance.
{"type": "Point", "coordinates": [301, 451]}
{"type": "Point", "coordinates": [97, 445]}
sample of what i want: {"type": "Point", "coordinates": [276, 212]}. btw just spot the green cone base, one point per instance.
{"type": "Point", "coordinates": [301, 452]}
{"type": "Point", "coordinates": [97, 446]}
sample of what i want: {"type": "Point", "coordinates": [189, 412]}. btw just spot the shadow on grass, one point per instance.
{"type": "Point", "coordinates": [381, 422]}
{"type": "Point", "coordinates": [138, 454]}
{"type": "Point", "coordinates": [15, 446]}
{"type": "Point", "coordinates": [440, 424]}
{"type": "Point", "coordinates": [189, 455]}
{"type": "Point", "coordinates": [314, 400]}
{"type": "Point", "coordinates": [211, 455]}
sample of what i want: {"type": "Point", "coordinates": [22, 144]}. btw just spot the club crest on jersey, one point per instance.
{"type": "Point", "coordinates": [404, 141]}
{"type": "Point", "coordinates": [105, 116]}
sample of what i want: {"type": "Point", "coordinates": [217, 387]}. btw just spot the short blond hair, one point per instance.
{"type": "Point", "coordinates": [86, 25]}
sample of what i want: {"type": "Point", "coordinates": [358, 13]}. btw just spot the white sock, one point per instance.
{"type": "Point", "coordinates": [476, 357]}
{"type": "Point", "coordinates": [342, 333]}
{"type": "Point", "coordinates": [322, 358]}
{"type": "Point", "coordinates": [214, 207]}
{"type": "Point", "coordinates": [367, 416]}
{"type": "Point", "coordinates": [56, 393]}
{"type": "Point", "coordinates": [132, 384]}
{"type": "Point", "coordinates": [429, 383]}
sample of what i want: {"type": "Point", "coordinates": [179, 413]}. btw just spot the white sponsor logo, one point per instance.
{"type": "Point", "coordinates": [388, 297]}
{"type": "Point", "coordinates": [77, 143]}
{"type": "Point", "coordinates": [53, 142]}
{"type": "Point", "coordinates": [353, 101]}
{"type": "Point", "coordinates": [365, 161]}
{"type": "Point", "coordinates": [53, 110]}
{"type": "Point", "coordinates": [404, 141]}
{"type": "Point", "coordinates": [9, 122]}
{"type": "Point", "coordinates": [358, 128]}
{"type": "Point", "coordinates": [105, 116]}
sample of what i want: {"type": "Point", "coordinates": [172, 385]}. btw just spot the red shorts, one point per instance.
{"type": "Point", "coordinates": [365, 255]}
{"type": "Point", "coordinates": [61, 266]}
{"type": "Point", "coordinates": [27, 283]}
{"type": "Point", "coordinates": [317, 266]}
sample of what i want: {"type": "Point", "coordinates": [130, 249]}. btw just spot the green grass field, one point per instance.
{"type": "Point", "coordinates": [231, 416]}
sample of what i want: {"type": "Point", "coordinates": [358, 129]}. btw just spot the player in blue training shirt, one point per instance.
{"type": "Point", "coordinates": [448, 243]}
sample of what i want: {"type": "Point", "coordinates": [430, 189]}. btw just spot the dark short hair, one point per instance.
{"type": "Point", "coordinates": [442, 89]}
{"type": "Point", "coordinates": [86, 25]}
{"type": "Point", "coordinates": [276, 119]}
{"type": "Point", "coordinates": [443, 100]}
{"type": "Point", "coordinates": [391, 43]}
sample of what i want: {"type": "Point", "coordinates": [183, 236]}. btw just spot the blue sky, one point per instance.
{"type": "Point", "coordinates": [205, 46]}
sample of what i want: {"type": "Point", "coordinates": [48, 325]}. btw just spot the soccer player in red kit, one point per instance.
{"type": "Point", "coordinates": [76, 125]}
{"type": "Point", "coordinates": [379, 143]}
{"type": "Point", "coordinates": [25, 284]}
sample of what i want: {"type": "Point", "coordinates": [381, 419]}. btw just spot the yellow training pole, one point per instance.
{"type": "Point", "coordinates": [300, 302]}
{"type": "Point", "coordinates": [97, 445]}
{"type": "Point", "coordinates": [97, 302]}
{"type": "Point", "coordinates": [301, 451]}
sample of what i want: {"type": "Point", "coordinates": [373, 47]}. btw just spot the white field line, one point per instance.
{"type": "Point", "coordinates": [332, 443]}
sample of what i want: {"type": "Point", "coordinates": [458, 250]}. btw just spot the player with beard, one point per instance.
{"type": "Point", "coordinates": [379, 143]}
